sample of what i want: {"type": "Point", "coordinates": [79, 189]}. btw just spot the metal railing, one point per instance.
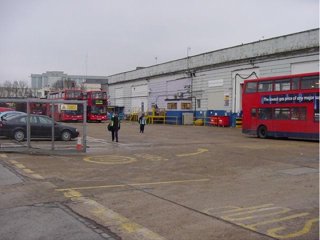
{"type": "Point", "coordinates": [52, 102]}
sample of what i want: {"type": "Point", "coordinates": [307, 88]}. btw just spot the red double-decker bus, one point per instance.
{"type": "Point", "coordinates": [283, 106]}
{"type": "Point", "coordinates": [97, 103]}
{"type": "Point", "coordinates": [35, 108]}
{"type": "Point", "coordinates": [66, 112]}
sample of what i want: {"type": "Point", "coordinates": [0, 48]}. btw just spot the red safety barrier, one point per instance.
{"type": "Point", "coordinates": [224, 121]}
{"type": "Point", "coordinates": [214, 120]}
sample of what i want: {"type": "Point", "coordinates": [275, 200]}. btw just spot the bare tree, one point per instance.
{"type": "Point", "coordinates": [15, 89]}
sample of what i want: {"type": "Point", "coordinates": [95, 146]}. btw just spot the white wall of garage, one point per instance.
{"type": "Point", "coordinates": [139, 98]}
{"type": "Point", "coordinates": [219, 74]}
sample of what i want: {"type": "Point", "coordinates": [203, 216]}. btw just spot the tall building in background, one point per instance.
{"type": "Point", "coordinates": [46, 81]}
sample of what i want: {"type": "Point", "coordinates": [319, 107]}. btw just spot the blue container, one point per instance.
{"type": "Point", "coordinates": [175, 117]}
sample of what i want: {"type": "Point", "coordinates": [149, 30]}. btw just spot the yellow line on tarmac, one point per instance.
{"type": "Point", "coordinates": [133, 184]}
{"type": "Point", "coordinates": [248, 208]}
{"type": "Point", "coordinates": [37, 176]}
{"type": "Point", "coordinates": [19, 165]}
{"type": "Point", "coordinates": [199, 151]}
{"type": "Point", "coordinates": [278, 219]}
{"type": "Point", "coordinates": [115, 221]}
{"type": "Point", "coordinates": [307, 227]}
{"type": "Point", "coordinates": [27, 170]}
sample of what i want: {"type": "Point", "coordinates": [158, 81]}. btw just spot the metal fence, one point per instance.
{"type": "Point", "coordinates": [43, 146]}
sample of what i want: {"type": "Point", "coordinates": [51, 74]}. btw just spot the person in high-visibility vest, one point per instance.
{"type": "Point", "coordinates": [142, 122]}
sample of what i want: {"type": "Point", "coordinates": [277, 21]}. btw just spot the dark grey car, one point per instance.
{"type": "Point", "coordinates": [40, 126]}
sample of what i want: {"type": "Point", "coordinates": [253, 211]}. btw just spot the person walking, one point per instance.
{"type": "Point", "coordinates": [142, 122]}
{"type": "Point", "coordinates": [115, 127]}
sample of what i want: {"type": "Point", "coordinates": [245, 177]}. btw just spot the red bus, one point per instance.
{"type": "Point", "coordinates": [35, 108]}
{"type": "Point", "coordinates": [66, 112]}
{"type": "Point", "coordinates": [284, 106]}
{"type": "Point", "coordinates": [97, 103]}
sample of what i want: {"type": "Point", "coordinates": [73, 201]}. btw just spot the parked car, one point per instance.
{"type": "Point", "coordinates": [40, 126]}
{"type": "Point", "coordinates": [4, 109]}
{"type": "Point", "coordinates": [9, 114]}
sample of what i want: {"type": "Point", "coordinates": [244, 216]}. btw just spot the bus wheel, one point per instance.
{"type": "Point", "coordinates": [66, 136]}
{"type": "Point", "coordinates": [18, 135]}
{"type": "Point", "coordinates": [262, 132]}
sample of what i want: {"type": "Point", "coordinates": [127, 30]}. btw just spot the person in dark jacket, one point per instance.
{"type": "Point", "coordinates": [142, 122]}
{"type": "Point", "coordinates": [115, 127]}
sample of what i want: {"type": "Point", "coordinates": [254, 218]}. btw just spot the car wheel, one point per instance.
{"type": "Point", "coordinates": [262, 132]}
{"type": "Point", "coordinates": [19, 135]}
{"type": "Point", "coordinates": [66, 135]}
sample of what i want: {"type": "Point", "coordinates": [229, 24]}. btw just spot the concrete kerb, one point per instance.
{"type": "Point", "coordinates": [44, 152]}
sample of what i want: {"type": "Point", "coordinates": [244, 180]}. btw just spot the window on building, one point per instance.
{"type": "Point", "coordinates": [198, 103]}
{"type": "Point", "coordinates": [171, 105]}
{"type": "Point", "coordinates": [185, 105]}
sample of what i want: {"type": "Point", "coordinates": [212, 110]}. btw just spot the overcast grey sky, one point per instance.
{"type": "Point", "coordinates": [118, 35]}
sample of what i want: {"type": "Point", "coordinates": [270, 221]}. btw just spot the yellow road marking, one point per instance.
{"type": "Point", "coordinates": [278, 220]}
{"type": "Point", "coordinates": [236, 215]}
{"type": "Point", "coordinates": [249, 208]}
{"type": "Point", "coordinates": [218, 210]}
{"type": "Point", "coordinates": [108, 217]}
{"type": "Point", "coordinates": [133, 184]}
{"type": "Point", "coordinates": [13, 161]}
{"type": "Point", "coordinates": [19, 165]}
{"type": "Point", "coordinates": [37, 176]}
{"type": "Point", "coordinates": [307, 227]}
{"type": "Point", "coordinates": [72, 194]}
{"type": "Point", "coordinates": [283, 210]}
{"type": "Point", "coordinates": [3, 155]}
{"type": "Point", "coordinates": [26, 170]}
{"type": "Point", "coordinates": [199, 151]}
{"type": "Point", "coordinates": [150, 157]}
{"type": "Point", "coordinates": [110, 159]}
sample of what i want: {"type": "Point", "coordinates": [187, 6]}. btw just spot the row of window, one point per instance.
{"type": "Point", "coordinates": [97, 95]}
{"type": "Point", "coordinates": [309, 82]}
{"type": "Point", "coordinates": [77, 95]}
{"type": "Point", "coordinates": [175, 105]}
{"type": "Point", "coordinates": [66, 95]}
{"type": "Point", "coordinates": [294, 113]}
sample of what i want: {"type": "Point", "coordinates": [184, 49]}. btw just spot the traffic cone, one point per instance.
{"type": "Point", "coordinates": [79, 144]}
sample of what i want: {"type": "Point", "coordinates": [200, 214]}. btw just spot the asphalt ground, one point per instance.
{"type": "Point", "coordinates": [176, 183]}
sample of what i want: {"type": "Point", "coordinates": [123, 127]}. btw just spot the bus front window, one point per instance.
{"type": "Point", "coordinates": [98, 110]}
{"type": "Point", "coordinates": [251, 87]}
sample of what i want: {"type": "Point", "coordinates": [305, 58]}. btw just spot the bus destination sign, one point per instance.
{"type": "Point", "coordinates": [70, 107]}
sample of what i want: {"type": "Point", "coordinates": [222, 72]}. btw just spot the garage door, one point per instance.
{"type": "Point", "coordinates": [139, 98]}
{"type": "Point", "coordinates": [119, 97]}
